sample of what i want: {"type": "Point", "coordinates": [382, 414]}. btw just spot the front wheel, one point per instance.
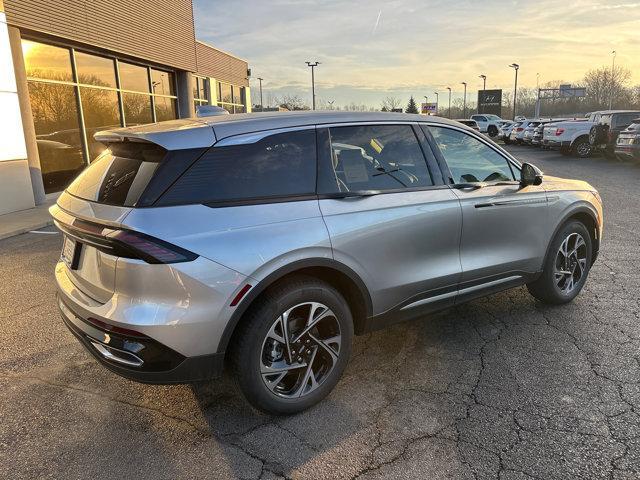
{"type": "Point", "coordinates": [566, 267]}
{"type": "Point", "coordinates": [492, 131]}
{"type": "Point", "coordinates": [293, 346]}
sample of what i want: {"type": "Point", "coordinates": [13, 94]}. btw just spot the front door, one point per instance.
{"type": "Point", "coordinates": [504, 234]}
{"type": "Point", "coordinates": [389, 216]}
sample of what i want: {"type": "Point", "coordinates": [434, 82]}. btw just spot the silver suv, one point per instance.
{"type": "Point", "coordinates": [266, 241]}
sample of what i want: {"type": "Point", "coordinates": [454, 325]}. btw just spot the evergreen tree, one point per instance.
{"type": "Point", "coordinates": [411, 106]}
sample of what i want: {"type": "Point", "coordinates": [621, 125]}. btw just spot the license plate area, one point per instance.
{"type": "Point", "coordinates": [71, 252]}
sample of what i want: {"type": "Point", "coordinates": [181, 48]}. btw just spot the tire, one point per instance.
{"type": "Point", "coordinates": [546, 288]}
{"type": "Point", "coordinates": [492, 131]}
{"type": "Point", "coordinates": [255, 349]}
{"type": "Point", "coordinates": [582, 148]}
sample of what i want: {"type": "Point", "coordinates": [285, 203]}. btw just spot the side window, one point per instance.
{"type": "Point", "coordinates": [469, 159]}
{"type": "Point", "coordinates": [278, 165]}
{"type": "Point", "coordinates": [377, 157]}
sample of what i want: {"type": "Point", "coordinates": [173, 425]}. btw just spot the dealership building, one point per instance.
{"type": "Point", "coordinates": [70, 68]}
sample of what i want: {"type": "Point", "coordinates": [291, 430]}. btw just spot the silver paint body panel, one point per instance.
{"type": "Point", "coordinates": [410, 249]}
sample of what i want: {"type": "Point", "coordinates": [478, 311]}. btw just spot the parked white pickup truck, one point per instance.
{"type": "Point", "coordinates": [571, 136]}
{"type": "Point", "coordinates": [488, 123]}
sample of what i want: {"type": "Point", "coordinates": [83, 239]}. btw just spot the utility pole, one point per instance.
{"type": "Point", "coordinates": [313, 82]}
{"type": "Point", "coordinates": [464, 108]}
{"type": "Point", "coordinates": [449, 113]}
{"type": "Point", "coordinates": [515, 66]}
{"type": "Point", "coordinates": [613, 66]}
{"type": "Point", "coordinates": [437, 101]}
{"type": "Point", "coordinates": [261, 104]}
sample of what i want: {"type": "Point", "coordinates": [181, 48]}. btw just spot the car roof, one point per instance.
{"type": "Point", "coordinates": [205, 131]}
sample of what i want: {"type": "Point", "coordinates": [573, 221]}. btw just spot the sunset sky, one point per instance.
{"type": "Point", "coordinates": [371, 49]}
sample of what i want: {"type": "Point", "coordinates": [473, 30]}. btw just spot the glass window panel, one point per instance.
{"type": "Point", "coordinates": [55, 118]}
{"type": "Point", "coordinates": [162, 82]}
{"type": "Point", "coordinates": [196, 87]}
{"type": "Point", "coordinates": [100, 111]}
{"type": "Point", "coordinates": [469, 159]}
{"type": "Point", "coordinates": [133, 77]}
{"type": "Point", "coordinates": [137, 108]}
{"type": "Point", "coordinates": [378, 157]}
{"type": "Point", "coordinates": [165, 108]}
{"type": "Point", "coordinates": [94, 70]}
{"type": "Point", "coordinates": [238, 95]}
{"type": "Point", "coordinates": [225, 93]}
{"type": "Point", "coordinates": [47, 61]}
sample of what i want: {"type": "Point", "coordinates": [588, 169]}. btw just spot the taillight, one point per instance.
{"type": "Point", "coordinates": [126, 243]}
{"type": "Point", "coordinates": [519, 129]}
{"type": "Point", "coordinates": [559, 131]}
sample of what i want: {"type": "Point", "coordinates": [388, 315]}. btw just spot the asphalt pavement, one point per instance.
{"type": "Point", "coordinates": [503, 387]}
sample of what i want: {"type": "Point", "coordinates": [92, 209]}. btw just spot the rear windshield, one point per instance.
{"type": "Point", "coordinates": [119, 175]}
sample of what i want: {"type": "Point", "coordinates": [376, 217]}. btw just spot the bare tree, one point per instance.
{"type": "Point", "coordinates": [603, 83]}
{"type": "Point", "coordinates": [390, 103]}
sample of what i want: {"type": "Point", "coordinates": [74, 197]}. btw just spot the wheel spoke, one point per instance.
{"type": "Point", "coordinates": [313, 320]}
{"type": "Point", "coordinates": [267, 370]}
{"type": "Point", "coordinates": [324, 343]}
{"type": "Point", "coordinates": [308, 377]}
{"type": "Point", "coordinates": [272, 384]}
{"type": "Point", "coordinates": [284, 320]}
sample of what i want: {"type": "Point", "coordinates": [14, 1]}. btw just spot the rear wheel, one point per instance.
{"type": "Point", "coordinates": [566, 267]}
{"type": "Point", "coordinates": [293, 346]}
{"type": "Point", "coordinates": [492, 130]}
{"type": "Point", "coordinates": [582, 148]}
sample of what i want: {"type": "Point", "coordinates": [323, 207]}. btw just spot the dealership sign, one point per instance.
{"type": "Point", "coordinates": [429, 108]}
{"type": "Point", "coordinates": [490, 101]}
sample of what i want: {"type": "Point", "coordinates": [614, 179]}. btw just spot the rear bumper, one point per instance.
{"type": "Point", "coordinates": [630, 151]}
{"type": "Point", "coordinates": [140, 358]}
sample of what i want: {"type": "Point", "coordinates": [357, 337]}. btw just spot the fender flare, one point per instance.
{"type": "Point", "coordinates": [276, 275]}
{"type": "Point", "coordinates": [572, 211]}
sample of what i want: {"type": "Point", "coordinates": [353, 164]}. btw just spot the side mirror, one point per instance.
{"type": "Point", "coordinates": [530, 175]}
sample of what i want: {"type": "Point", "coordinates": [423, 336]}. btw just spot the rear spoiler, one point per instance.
{"type": "Point", "coordinates": [171, 135]}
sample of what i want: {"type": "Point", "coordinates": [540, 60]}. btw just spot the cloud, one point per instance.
{"type": "Point", "coordinates": [424, 45]}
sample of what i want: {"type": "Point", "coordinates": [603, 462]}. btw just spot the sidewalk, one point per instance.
{"type": "Point", "coordinates": [25, 220]}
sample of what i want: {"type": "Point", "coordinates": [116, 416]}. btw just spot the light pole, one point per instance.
{"type": "Point", "coordinates": [484, 86]}
{"type": "Point", "coordinates": [515, 66]}
{"type": "Point", "coordinates": [261, 104]}
{"type": "Point", "coordinates": [464, 108]}
{"type": "Point", "coordinates": [426, 100]}
{"type": "Point", "coordinates": [437, 101]}
{"type": "Point", "coordinates": [313, 82]}
{"type": "Point", "coordinates": [484, 81]}
{"type": "Point", "coordinates": [449, 113]}
{"type": "Point", "coordinates": [613, 66]}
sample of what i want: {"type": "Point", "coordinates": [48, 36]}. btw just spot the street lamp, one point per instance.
{"type": "Point", "coordinates": [437, 101]}
{"type": "Point", "coordinates": [515, 66]}
{"type": "Point", "coordinates": [313, 82]}
{"type": "Point", "coordinates": [613, 66]}
{"type": "Point", "coordinates": [464, 108]}
{"type": "Point", "coordinates": [261, 104]}
{"type": "Point", "coordinates": [449, 113]}
{"type": "Point", "coordinates": [484, 81]}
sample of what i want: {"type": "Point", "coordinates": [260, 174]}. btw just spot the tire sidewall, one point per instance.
{"type": "Point", "coordinates": [569, 228]}
{"type": "Point", "coordinates": [249, 377]}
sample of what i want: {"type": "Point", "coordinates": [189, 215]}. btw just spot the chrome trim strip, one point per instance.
{"type": "Point", "coordinates": [425, 301]}
{"type": "Point", "coordinates": [107, 353]}
{"type": "Point", "coordinates": [506, 203]}
{"type": "Point", "coordinates": [248, 138]}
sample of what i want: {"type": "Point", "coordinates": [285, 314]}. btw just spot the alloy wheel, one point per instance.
{"type": "Point", "coordinates": [300, 350]}
{"type": "Point", "coordinates": [571, 263]}
{"type": "Point", "coordinates": [584, 149]}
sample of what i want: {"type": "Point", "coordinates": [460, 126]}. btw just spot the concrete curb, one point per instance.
{"type": "Point", "coordinates": [16, 223]}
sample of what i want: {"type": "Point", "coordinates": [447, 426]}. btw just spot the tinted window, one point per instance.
{"type": "Point", "coordinates": [46, 61]}
{"type": "Point", "coordinates": [624, 119]}
{"type": "Point", "coordinates": [133, 77]}
{"type": "Point", "coordinates": [93, 70]}
{"type": "Point", "coordinates": [279, 165]}
{"type": "Point", "coordinates": [119, 175]}
{"type": "Point", "coordinates": [479, 118]}
{"type": "Point", "coordinates": [469, 159]}
{"type": "Point", "coordinates": [377, 157]}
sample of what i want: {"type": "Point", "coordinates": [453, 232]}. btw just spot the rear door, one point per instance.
{"type": "Point", "coordinates": [504, 234]}
{"type": "Point", "coordinates": [389, 215]}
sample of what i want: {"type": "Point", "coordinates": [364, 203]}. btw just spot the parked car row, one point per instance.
{"type": "Point", "coordinates": [614, 133]}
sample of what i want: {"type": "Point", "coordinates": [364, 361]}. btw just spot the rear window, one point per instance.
{"type": "Point", "coordinates": [119, 175]}
{"type": "Point", "coordinates": [624, 119]}
{"type": "Point", "coordinates": [277, 165]}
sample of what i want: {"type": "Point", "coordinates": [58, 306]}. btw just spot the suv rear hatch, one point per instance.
{"type": "Point", "coordinates": [132, 172]}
